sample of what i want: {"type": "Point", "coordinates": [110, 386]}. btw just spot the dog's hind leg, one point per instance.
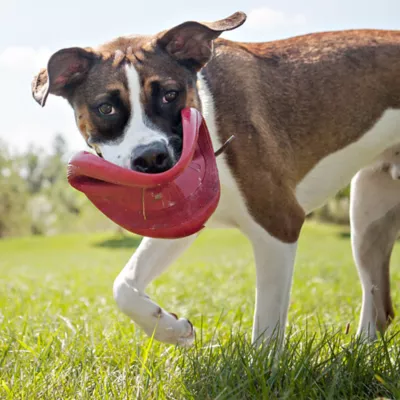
{"type": "Point", "coordinates": [151, 258]}
{"type": "Point", "coordinates": [375, 221]}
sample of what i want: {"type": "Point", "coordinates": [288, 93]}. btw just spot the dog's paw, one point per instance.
{"type": "Point", "coordinates": [172, 330]}
{"type": "Point", "coordinates": [188, 339]}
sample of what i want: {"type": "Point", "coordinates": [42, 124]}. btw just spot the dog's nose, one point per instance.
{"type": "Point", "coordinates": [151, 159]}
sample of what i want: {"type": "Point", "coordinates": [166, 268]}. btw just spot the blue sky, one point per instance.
{"type": "Point", "coordinates": [31, 30]}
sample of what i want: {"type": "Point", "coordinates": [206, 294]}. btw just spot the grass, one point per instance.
{"type": "Point", "coordinates": [62, 337]}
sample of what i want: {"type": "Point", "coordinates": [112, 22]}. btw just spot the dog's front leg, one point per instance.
{"type": "Point", "coordinates": [151, 258]}
{"type": "Point", "coordinates": [274, 269]}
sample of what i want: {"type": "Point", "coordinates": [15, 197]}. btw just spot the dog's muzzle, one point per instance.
{"type": "Point", "coordinates": [152, 158]}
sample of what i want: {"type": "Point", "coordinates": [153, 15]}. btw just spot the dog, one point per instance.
{"type": "Point", "coordinates": [375, 224]}
{"type": "Point", "coordinates": [307, 113]}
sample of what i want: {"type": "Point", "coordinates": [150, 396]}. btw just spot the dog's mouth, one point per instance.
{"type": "Point", "coordinates": [172, 204]}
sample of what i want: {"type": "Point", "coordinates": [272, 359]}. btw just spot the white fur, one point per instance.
{"type": "Point", "coordinates": [375, 191]}
{"type": "Point", "coordinates": [151, 258]}
{"type": "Point", "coordinates": [336, 170]}
{"type": "Point", "coordinates": [139, 130]}
{"type": "Point", "coordinates": [231, 206]}
{"type": "Point", "coordinates": [391, 158]}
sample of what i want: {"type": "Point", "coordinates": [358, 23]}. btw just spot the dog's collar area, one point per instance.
{"type": "Point", "coordinates": [224, 146]}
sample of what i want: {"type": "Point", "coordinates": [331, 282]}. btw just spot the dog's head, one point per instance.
{"type": "Point", "coordinates": [127, 94]}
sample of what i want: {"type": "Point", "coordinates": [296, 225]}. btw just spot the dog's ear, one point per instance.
{"type": "Point", "coordinates": [191, 43]}
{"type": "Point", "coordinates": [66, 68]}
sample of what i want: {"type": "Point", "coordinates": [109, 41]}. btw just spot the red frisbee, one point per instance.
{"type": "Point", "coordinates": [171, 204]}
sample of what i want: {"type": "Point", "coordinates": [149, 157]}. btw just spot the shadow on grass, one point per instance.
{"type": "Point", "coordinates": [344, 234]}
{"type": "Point", "coordinates": [120, 242]}
{"type": "Point", "coordinates": [347, 235]}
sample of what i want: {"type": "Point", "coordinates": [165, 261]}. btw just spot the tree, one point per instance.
{"type": "Point", "coordinates": [14, 195]}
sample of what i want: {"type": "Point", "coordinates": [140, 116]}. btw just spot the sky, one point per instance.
{"type": "Point", "coordinates": [30, 31]}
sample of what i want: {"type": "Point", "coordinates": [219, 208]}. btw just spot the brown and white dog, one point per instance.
{"type": "Point", "coordinates": [307, 113]}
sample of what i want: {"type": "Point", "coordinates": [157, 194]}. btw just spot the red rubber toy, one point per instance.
{"type": "Point", "coordinates": [171, 204]}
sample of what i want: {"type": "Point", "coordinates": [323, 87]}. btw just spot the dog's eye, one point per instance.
{"type": "Point", "coordinates": [106, 109]}
{"type": "Point", "coordinates": [170, 96]}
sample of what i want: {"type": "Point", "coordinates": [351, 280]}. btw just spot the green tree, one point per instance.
{"type": "Point", "coordinates": [14, 196]}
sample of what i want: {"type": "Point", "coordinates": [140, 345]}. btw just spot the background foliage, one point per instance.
{"type": "Point", "coordinates": [35, 197]}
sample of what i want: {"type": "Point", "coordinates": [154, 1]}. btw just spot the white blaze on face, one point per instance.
{"type": "Point", "coordinates": [138, 132]}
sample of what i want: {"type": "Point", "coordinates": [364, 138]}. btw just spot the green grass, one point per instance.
{"type": "Point", "coordinates": [62, 336]}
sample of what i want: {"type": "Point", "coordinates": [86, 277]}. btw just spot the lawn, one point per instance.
{"type": "Point", "coordinates": [62, 336]}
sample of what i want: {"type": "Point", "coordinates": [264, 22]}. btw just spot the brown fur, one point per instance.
{"type": "Point", "coordinates": [289, 103]}
{"type": "Point", "coordinates": [305, 98]}
{"type": "Point", "coordinates": [84, 122]}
